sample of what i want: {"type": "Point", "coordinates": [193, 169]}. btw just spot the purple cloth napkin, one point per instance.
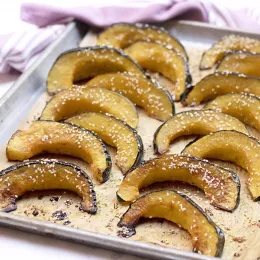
{"type": "Point", "coordinates": [107, 15]}
{"type": "Point", "coordinates": [23, 48]}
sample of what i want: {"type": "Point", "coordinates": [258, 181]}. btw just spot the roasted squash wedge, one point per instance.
{"type": "Point", "coordinates": [221, 186]}
{"type": "Point", "coordinates": [44, 175]}
{"type": "Point", "coordinates": [246, 108]}
{"type": "Point", "coordinates": [78, 100]}
{"type": "Point", "coordinates": [145, 93]}
{"type": "Point", "coordinates": [168, 62]}
{"type": "Point", "coordinates": [228, 43]}
{"type": "Point", "coordinates": [234, 147]}
{"type": "Point", "coordinates": [218, 84]}
{"type": "Point", "coordinates": [193, 122]}
{"type": "Point", "coordinates": [60, 138]}
{"type": "Point", "coordinates": [246, 63]}
{"type": "Point", "coordinates": [116, 133]}
{"type": "Point", "coordinates": [84, 63]}
{"type": "Point", "coordinates": [207, 237]}
{"type": "Point", "coordinates": [122, 35]}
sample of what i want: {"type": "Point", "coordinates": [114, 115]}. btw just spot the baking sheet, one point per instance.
{"type": "Point", "coordinates": [242, 225]}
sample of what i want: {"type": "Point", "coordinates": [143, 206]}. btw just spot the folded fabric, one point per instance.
{"type": "Point", "coordinates": [22, 48]}
{"type": "Point", "coordinates": [153, 11]}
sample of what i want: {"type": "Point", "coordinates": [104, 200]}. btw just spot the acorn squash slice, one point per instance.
{"type": "Point", "coordinates": [196, 122]}
{"type": "Point", "coordinates": [234, 147]}
{"type": "Point", "coordinates": [45, 174]}
{"type": "Point", "coordinates": [122, 35]}
{"type": "Point", "coordinates": [228, 43]}
{"type": "Point", "coordinates": [85, 63]}
{"type": "Point", "coordinates": [145, 93]}
{"type": "Point", "coordinates": [60, 138]}
{"type": "Point", "coordinates": [218, 84]}
{"type": "Point", "coordinates": [245, 63]}
{"type": "Point", "coordinates": [168, 62]}
{"type": "Point", "coordinates": [115, 133]}
{"type": "Point", "coordinates": [78, 100]}
{"type": "Point", "coordinates": [221, 186]}
{"type": "Point", "coordinates": [207, 237]}
{"type": "Point", "coordinates": [246, 108]}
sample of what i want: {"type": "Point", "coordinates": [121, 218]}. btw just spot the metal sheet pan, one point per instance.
{"type": "Point", "coordinates": [17, 102]}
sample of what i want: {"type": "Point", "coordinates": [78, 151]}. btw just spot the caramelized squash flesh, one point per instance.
{"type": "Point", "coordinates": [156, 101]}
{"type": "Point", "coordinates": [221, 186]}
{"type": "Point", "coordinates": [122, 35]}
{"type": "Point", "coordinates": [218, 84]}
{"type": "Point", "coordinates": [240, 62]}
{"type": "Point", "coordinates": [181, 210]}
{"type": "Point", "coordinates": [44, 175]}
{"type": "Point", "coordinates": [246, 108]}
{"type": "Point", "coordinates": [234, 147]}
{"type": "Point", "coordinates": [115, 133]}
{"type": "Point", "coordinates": [160, 59]}
{"type": "Point", "coordinates": [228, 43]}
{"type": "Point", "coordinates": [60, 138]}
{"type": "Point", "coordinates": [78, 100]}
{"type": "Point", "coordinates": [85, 63]}
{"type": "Point", "coordinates": [194, 123]}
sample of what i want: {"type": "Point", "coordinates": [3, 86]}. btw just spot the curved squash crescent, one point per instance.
{"type": "Point", "coordinates": [45, 174]}
{"type": "Point", "coordinates": [207, 237]}
{"type": "Point", "coordinates": [218, 84]}
{"type": "Point", "coordinates": [198, 122]}
{"type": "Point", "coordinates": [84, 63]}
{"type": "Point", "coordinates": [245, 108]}
{"type": "Point", "coordinates": [227, 43]}
{"type": "Point", "coordinates": [61, 138]}
{"type": "Point", "coordinates": [116, 133]}
{"type": "Point", "coordinates": [121, 35]}
{"type": "Point", "coordinates": [245, 63]}
{"type": "Point", "coordinates": [235, 147]}
{"type": "Point", "coordinates": [73, 101]}
{"type": "Point", "coordinates": [156, 101]}
{"type": "Point", "coordinates": [168, 62]}
{"type": "Point", "coordinates": [221, 186]}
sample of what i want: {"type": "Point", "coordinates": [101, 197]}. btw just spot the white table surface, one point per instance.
{"type": "Point", "coordinates": [14, 244]}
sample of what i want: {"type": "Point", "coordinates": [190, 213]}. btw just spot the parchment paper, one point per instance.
{"type": "Point", "coordinates": [242, 225]}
